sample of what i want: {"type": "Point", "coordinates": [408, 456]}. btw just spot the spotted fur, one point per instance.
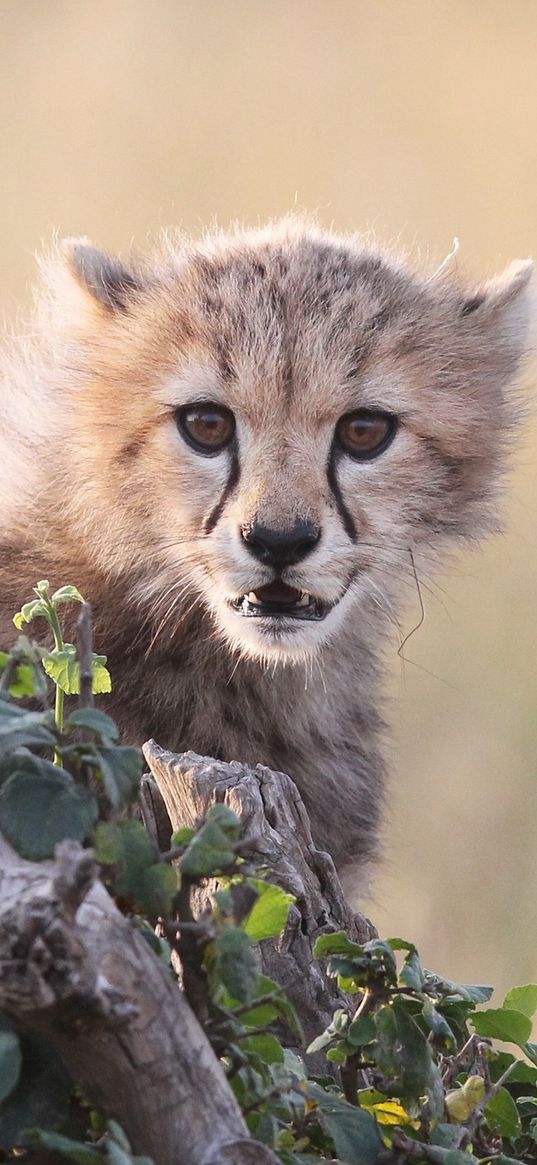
{"type": "Point", "coordinates": [289, 327]}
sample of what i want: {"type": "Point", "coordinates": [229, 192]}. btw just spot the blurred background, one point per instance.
{"type": "Point", "coordinates": [416, 120]}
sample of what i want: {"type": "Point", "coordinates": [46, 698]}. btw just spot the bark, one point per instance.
{"type": "Point", "coordinates": [77, 970]}
{"type": "Point", "coordinates": [278, 828]}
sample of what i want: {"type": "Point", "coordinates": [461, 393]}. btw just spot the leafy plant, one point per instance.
{"type": "Point", "coordinates": [60, 662]}
{"type": "Point", "coordinates": [415, 1067]}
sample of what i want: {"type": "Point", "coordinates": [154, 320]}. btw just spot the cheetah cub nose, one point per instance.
{"type": "Point", "coordinates": [280, 548]}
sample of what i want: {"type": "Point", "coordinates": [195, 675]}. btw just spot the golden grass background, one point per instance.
{"type": "Point", "coordinates": [414, 118]}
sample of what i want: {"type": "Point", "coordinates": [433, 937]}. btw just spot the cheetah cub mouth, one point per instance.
{"type": "Point", "coordinates": [278, 600]}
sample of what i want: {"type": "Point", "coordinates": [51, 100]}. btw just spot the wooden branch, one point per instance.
{"type": "Point", "coordinates": [75, 969]}
{"type": "Point", "coordinates": [278, 827]}
{"type": "Point", "coordinates": [84, 640]}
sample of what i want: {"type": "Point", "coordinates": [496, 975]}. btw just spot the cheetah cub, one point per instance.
{"type": "Point", "coordinates": [244, 451]}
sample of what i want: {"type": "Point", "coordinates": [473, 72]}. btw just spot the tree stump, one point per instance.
{"type": "Point", "coordinates": [278, 831]}
{"type": "Point", "coordinates": [78, 971]}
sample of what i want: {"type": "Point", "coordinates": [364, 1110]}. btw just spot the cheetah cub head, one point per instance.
{"type": "Point", "coordinates": [278, 427]}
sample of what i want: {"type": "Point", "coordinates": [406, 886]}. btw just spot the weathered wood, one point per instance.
{"type": "Point", "coordinates": [77, 970]}
{"type": "Point", "coordinates": [277, 825]}
{"type": "Point", "coordinates": [154, 813]}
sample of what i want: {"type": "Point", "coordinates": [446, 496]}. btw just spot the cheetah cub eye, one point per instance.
{"type": "Point", "coordinates": [208, 428]}
{"type": "Point", "coordinates": [365, 433]}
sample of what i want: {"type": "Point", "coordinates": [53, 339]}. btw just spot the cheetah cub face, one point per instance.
{"type": "Point", "coordinates": [285, 562]}
{"type": "Point", "coordinates": [281, 426]}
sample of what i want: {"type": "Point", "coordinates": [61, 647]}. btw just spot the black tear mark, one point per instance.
{"type": "Point", "coordinates": [346, 518]}
{"type": "Point", "coordinates": [234, 474]}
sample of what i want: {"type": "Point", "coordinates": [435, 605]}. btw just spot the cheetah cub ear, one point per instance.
{"type": "Point", "coordinates": [97, 280]}
{"type": "Point", "coordinates": [510, 290]}
{"type": "Point", "coordinates": [502, 312]}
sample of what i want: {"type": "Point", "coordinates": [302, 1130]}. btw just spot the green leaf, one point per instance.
{"type": "Point", "coordinates": [349, 985]}
{"type": "Point", "coordinates": [475, 992]}
{"type": "Point", "coordinates": [67, 594]}
{"type": "Point", "coordinates": [502, 1023]}
{"type": "Point", "coordinates": [210, 850]}
{"type": "Point", "coordinates": [23, 683]}
{"type": "Point", "coordinates": [266, 1046]}
{"type": "Point", "coordinates": [56, 1143]}
{"type": "Point", "coordinates": [526, 1104]}
{"type": "Point", "coordinates": [158, 887]}
{"type": "Point", "coordinates": [27, 677]}
{"type": "Point", "coordinates": [23, 761]}
{"type": "Point", "coordinates": [226, 819]}
{"type": "Point", "coordinates": [19, 728]}
{"type": "Point", "coordinates": [268, 916]}
{"type": "Point", "coordinates": [335, 943]}
{"type": "Point", "coordinates": [294, 1064]}
{"type": "Point", "coordinates": [502, 1115]}
{"type": "Point", "coordinates": [38, 811]}
{"type": "Point", "coordinates": [96, 721]}
{"type": "Point", "coordinates": [261, 1014]}
{"type": "Point", "coordinates": [10, 1062]}
{"type": "Point", "coordinates": [522, 999]}
{"type": "Point", "coordinates": [30, 611]}
{"type": "Point", "coordinates": [148, 884]}
{"type": "Point", "coordinates": [530, 1049]}
{"type": "Point", "coordinates": [182, 836]}
{"type": "Point", "coordinates": [235, 962]}
{"type": "Point", "coordinates": [361, 1031]}
{"type": "Point", "coordinates": [438, 1025]}
{"type": "Point", "coordinates": [116, 1155]}
{"type": "Point", "coordinates": [102, 680]}
{"type": "Point", "coordinates": [411, 973]}
{"type": "Point", "coordinates": [124, 843]}
{"type": "Point", "coordinates": [117, 1147]}
{"type": "Point", "coordinates": [337, 1027]}
{"type": "Point", "coordinates": [63, 667]}
{"type": "Point", "coordinates": [23, 677]}
{"type": "Point", "coordinates": [456, 1012]}
{"type": "Point", "coordinates": [340, 1053]}
{"type": "Point", "coordinates": [128, 846]}
{"type": "Point", "coordinates": [403, 1053]}
{"type": "Point", "coordinates": [121, 769]}
{"type": "Point", "coordinates": [470, 992]}
{"type": "Point", "coordinates": [118, 1135]}
{"type": "Point", "coordinates": [355, 965]}
{"type": "Point", "coordinates": [353, 1131]}
{"type": "Point", "coordinates": [521, 1074]}
{"type": "Point", "coordinates": [41, 1096]}
{"type": "Point", "coordinates": [447, 1136]}
{"type": "Point", "coordinates": [321, 1042]}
